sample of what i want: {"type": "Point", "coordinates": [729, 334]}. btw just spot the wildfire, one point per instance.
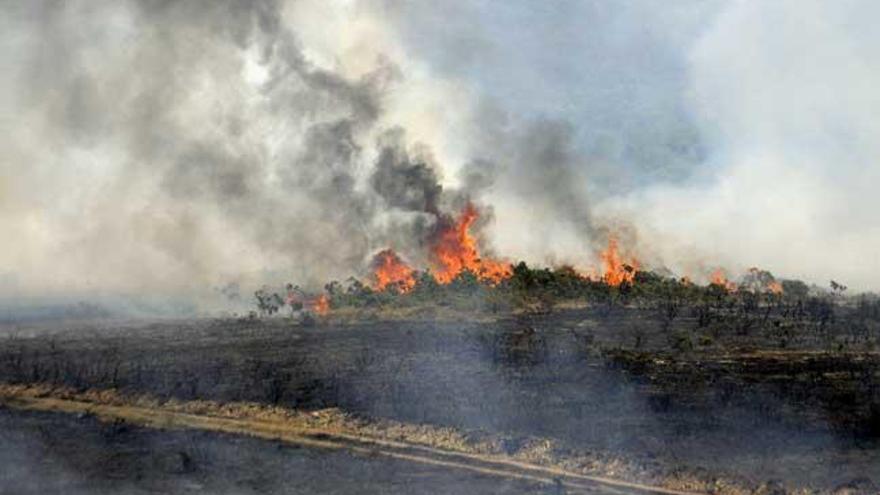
{"type": "Point", "coordinates": [774, 287]}
{"type": "Point", "coordinates": [719, 278]}
{"type": "Point", "coordinates": [454, 250]}
{"type": "Point", "coordinates": [389, 269]}
{"type": "Point", "coordinates": [616, 269]}
{"type": "Point", "coordinates": [762, 281]}
{"type": "Point", "coordinates": [320, 305]}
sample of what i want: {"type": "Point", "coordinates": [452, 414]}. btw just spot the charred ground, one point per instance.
{"type": "Point", "coordinates": [745, 385]}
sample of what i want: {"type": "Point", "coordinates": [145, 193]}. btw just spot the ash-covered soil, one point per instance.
{"type": "Point", "coordinates": [51, 453]}
{"type": "Point", "coordinates": [613, 383]}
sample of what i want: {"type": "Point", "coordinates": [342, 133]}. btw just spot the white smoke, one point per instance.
{"type": "Point", "coordinates": [174, 147]}
{"type": "Point", "coordinates": [786, 97]}
{"type": "Point", "coordinates": [178, 146]}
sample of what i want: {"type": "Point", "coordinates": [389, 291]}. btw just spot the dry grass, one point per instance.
{"type": "Point", "coordinates": [534, 459]}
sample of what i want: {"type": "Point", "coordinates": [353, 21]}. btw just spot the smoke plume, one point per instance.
{"type": "Point", "coordinates": [174, 147]}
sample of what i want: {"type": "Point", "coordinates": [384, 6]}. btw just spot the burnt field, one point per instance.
{"type": "Point", "coordinates": [58, 453]}
{"type": "Point", "coordinates": [798, 403]}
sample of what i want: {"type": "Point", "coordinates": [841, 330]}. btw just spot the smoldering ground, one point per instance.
{"type": "Point", "coordinates": [55, 453]}
{"type": "Point", "coordinates": [527, 380]}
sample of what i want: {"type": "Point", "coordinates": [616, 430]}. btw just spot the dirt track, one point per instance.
{"type": "Point", "coordinates": [171, 418]}
{"type": "Point", "coordinates": [57, 453]}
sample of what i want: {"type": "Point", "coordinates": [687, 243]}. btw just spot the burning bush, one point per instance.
{"type": "Point", "coordinates": [617, 269]}
{"type": "Point", "coordinates": [389, 271]}
{"type": "Point", "coordinates": [454, 250]}
{"type": "Point", "coordinates": [458, 276]}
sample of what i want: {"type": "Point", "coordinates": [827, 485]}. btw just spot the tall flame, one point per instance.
{"type": "Point", "coordinates": [454, 250]}
{"type": "Point", "coordinates": [390, 270]}
{"type": "Point", "coordinates": [616, 269]}
{"type": "Point", "coordinates": [719, 278]}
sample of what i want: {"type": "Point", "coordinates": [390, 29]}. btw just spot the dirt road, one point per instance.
{"type": "Point", "coordinates": [470, 473]}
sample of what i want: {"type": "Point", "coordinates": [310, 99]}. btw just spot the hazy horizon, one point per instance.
{"type": "Point", "coordinates": [172, 148]}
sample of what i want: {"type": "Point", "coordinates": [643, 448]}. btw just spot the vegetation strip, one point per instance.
{"type": "Point", "coordinates": [167, 418]}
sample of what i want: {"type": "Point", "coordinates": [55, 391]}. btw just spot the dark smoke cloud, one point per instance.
{"type": "Point", "coordinates": [176, 146]}
{"type": "Point", "coordinates": [213, 149]}
{"type": "Point", "coordinates": [404, 181]}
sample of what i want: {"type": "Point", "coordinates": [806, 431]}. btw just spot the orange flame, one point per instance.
{"type": "Point", "coordinates": [617, 270]}
{"type": "Point", "coordinates": [765, 284]}
{"type": "Point", "coordinates": [389, 269]}
{"type": "Point", "coordinates": [454, 250]}
{"type": "Point", "coordinates": [320, 305]}
{"type": "Point", "coordinates": [719, 278]}
{"type": "Point", "coordinates": [774, 287]}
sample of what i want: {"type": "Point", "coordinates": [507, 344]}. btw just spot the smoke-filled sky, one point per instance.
{"type": "Point", "coordinates": [173, 147]}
